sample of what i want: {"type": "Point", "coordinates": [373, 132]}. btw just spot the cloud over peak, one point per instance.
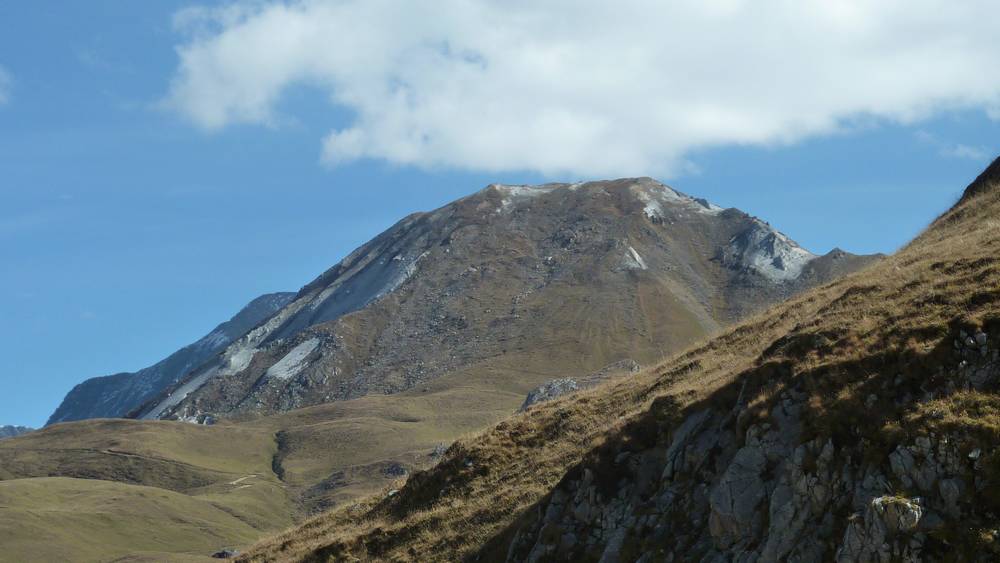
{"type": "Point", "coordinates": [583, 87]}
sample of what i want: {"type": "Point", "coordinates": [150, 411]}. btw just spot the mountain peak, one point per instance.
{"type": "Point", "coordinates": [480, 283]}
{"type": "Point", "coordinates": [655, 196]}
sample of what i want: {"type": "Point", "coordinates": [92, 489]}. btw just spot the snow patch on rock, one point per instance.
{"type": "Point", "coordinates": [294, 361]}
{"type": "Point", "coordinates": [513, 194]}
{"type": "Point", "coordinates": [234, 359]}
{"type": "Point", "coordinates": [638, 259]}
{"type": "Point", "coordinates": [632, 260]}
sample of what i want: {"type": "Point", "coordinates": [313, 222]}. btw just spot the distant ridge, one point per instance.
{"type": "Point", "coordinates": [116, 395]}
{"type": "Point", "coordinates": [8, 431]}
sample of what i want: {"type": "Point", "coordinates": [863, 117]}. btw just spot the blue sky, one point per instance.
{"type": "Point", "coordinates": [137, 210]}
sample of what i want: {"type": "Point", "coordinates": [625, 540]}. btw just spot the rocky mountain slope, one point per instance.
{"type": "Point", "coordinates": [8, 431]}
{"type": "Point", "coordinates": [519, 286]}
{"type": "Point", "coordinates": [528, 282]}
{"type": "Point", "coordinates": [858, 421]}
{"type": "Point", "coordinates": [117, 395]}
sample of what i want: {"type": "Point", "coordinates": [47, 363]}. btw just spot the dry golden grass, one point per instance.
{"type": "Point", "coordinates": [841, 342]}
{"type": "Point", "coordinates": [62, 519]}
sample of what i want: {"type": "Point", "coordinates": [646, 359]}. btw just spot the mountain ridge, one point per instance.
{"type": "Point", "coordinates": [118, 394]}
{"type": "Point", "coordinates": [473, 268]}
{"type": "Point", "coordinates": [11, 430]}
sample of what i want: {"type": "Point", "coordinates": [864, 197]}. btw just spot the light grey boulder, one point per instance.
{"type": "Point", "coordinates": [548, 391]}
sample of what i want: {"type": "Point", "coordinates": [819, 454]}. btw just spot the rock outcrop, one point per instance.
{"type": "Point", "coordinates": [548, 391]}
{"type": "Point", "coordinates": [725, 484]}
{"type": "Point", "coordinates": [565, 385]}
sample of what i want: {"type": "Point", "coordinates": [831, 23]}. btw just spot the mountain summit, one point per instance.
{"type": "Point", "coordinates": [522, 282]}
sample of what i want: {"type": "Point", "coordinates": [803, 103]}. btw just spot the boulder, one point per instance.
{"type": "Point", "coordinates": [548, 391]}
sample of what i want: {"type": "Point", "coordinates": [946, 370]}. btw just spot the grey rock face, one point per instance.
{"type": "Point", "coordinates": [735, 499]}
{"type": "Point", "coordinates": [548, 391]}
{"type": "Point", "coordinates": [117, 395]}
{"type": "Point", "coordinates": [878, 536]}
{"type": "Point", "coordinates": [770, 495]}
{"type": "Point", "coordinates": [564, 386]}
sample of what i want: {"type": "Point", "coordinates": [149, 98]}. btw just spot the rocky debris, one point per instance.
{"type": "Point", "coordinates": [199, 418]}
{"type": "Point", "coordinates": [548, 391]}
{"type": "Point", "coordinates": [883, 534]}
{"type": "Point", "coordinates": [564, 386]}
{"type": "Point", "coordinates": [707, 491]}
{"type": "Point", "coordinates": [225, 554]}
{"type": "Point", "coordinates": [438, 451]}
{"type": "Point", "coordinates": [8, 431]}
{"type": "Point", "coordinates": [978, 365]}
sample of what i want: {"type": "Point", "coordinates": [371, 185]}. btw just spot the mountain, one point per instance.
{"type": "Point", "coordinates": [8, 431]}
{"type": "Point", "coordinates": [857, 421]}
{"type": "Point", "coordinates": [519, 286]}
{"type": "Point", "coordinates": [116, 395]}
{"type": "Point", "coordinates": [519, 283]}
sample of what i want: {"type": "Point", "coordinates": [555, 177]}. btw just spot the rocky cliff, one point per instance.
{"type": "Point", "coordinates": [741, 483]}
{"type": "Point", "coordinates": [528, 282]}
{"type": "Point", "coordinates": [116, 395]}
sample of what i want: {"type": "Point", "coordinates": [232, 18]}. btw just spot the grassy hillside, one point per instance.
{"type": "Point", "coordinates": [62, 519]}
{"type": "Point", "coordinates": [245, 479]}
{"type": "Point", "coordinates": [872, 353]}
{"type": "Point", "coordinates": [163, 454]}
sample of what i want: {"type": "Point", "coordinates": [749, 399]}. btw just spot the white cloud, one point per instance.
{"type": "Point", "coordinates": [954, 150]}
{"type": "Point", "coordinates": [968, 152]}
{"type": "Point", "coordinates": [5, 86]}
{"type": "Point", "coordinates": [584, 87]}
